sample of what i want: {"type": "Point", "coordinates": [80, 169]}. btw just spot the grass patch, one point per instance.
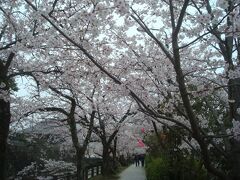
{"type": "Point", "coordinates": [121, 169]}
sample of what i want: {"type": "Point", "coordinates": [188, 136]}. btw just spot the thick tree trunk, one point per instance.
{"type": "Point", "coordinates": [234, 160]}
{"type": "Point", "coordinates": [79, 151]}
{"type": "Point", "coordinates": [114, 153]}
{"type": "Point", "coordinates": [80, 170]}
{"type": "Point", "coordinates": [234, 94]}
{"type": "Point", "coordinates": [107, 169]}
{"type": "Point", "coordinates": [5, 117]}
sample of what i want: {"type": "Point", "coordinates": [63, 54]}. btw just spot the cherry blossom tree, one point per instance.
{"type": "Point", "coordinates": [69, 98]}
{"type": "Point", "coordinates": [32, 42]}
{"type": "Point", "coordinates": [16, 31]}
{"type": "Point", "coordinates": [72, 115]}
{"type": "Point", "coordinates": [211, 32]}
{"type": "Point", "coordinates": [111, 114]}
{"type": "Point", "coordinates": [193, 52]}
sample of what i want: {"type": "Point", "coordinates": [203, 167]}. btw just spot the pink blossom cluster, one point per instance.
{"type": "Point", "coordinates": [122, 6]}
{"type": "Point", "coordinates": [204, 18]}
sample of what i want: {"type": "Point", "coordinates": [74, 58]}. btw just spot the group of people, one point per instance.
{"type": "Point", "coordinates": [139, 158]}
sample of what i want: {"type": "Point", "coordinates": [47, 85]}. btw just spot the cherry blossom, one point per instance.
{"type": "Point", "coordinates": [177, 59]}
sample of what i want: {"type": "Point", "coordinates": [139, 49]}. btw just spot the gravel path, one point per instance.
{"type": "Point", "coordinates": [133, 173]}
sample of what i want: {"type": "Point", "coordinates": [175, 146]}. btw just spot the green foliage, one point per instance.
{"type": "Point", "coordinates": [157, 168]}
{"type": "Point", "coordinates": [165, 167]}
{"type": "Point", "coordinates": [10, 84]}
{"type": "Point", "coordinates": [13, 85]}
{"type": "Point", "coordinates": [167, 161]}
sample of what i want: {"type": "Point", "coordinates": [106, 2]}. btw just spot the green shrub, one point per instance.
{"type": "Point", "coordinates": [166, 161]}
{"type": "Point", "coordinates": [157, 168]}
{"type": "Point", "coordinates": [189, 168]}
{"type": "Point", "coordinates": [182, 168]}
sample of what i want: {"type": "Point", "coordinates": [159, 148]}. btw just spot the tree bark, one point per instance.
{"type": "Point", "coordinates": [80, 168]}
{"type": "Point", "coordinates": [5, 117]}
{"type": "Point", "coordinates": [105, 170]}
{"type": "Point", "coordinates": [114, 152]}
{"type": "Point", "coordinates": [106, 160]}
{"type": "Point", "coordinates": [234, 159]}
{"type": "Point", "coordinates": [79, 151]}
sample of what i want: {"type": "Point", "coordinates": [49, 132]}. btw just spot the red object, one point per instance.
{"type": "Point", "coordinates": [143, 130]}
{"type": "Point", "coordinates": [140, 143]}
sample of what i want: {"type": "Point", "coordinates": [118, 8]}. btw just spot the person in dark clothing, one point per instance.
{"type": "Point", "coordinates": [136, 160]}
{"type": "Point", "coordinates": [141, 158]}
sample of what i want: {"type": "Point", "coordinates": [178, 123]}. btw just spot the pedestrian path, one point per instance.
{"type": "Point", "coordinates": [133, 173]}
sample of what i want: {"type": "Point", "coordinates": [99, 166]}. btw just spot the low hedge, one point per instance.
{"type": "Point", "coordinates": [166, 168]}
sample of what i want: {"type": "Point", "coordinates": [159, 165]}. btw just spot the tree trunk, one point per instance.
{"type": "Point", "coordinates": [159, 140]}
{"type": "Point", "coordinates": [5, 117]}
{"type": "Point", "coordinates": [107, 169]}
{"type": "Point", "coordinates": [114, 153]}
{"type": "Point", "coordinates": [196, 134]}
{"type": "Point", "coordinates": [80, 168]}
{"type": "Point", "coordinates": [234, 160]}
{"type": "Point", "coordinates": [234, 94]}
{"type": "Point", "coordinates": [79, 151]}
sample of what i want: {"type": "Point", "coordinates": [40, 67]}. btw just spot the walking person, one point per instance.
{"type": "Point", "coordinates": [141, 158]}
{"type": "Point", "coordinates": [136, 159]}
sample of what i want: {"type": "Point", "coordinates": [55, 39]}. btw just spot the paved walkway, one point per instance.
{"type": "Point", "coordinates": [133, 173]}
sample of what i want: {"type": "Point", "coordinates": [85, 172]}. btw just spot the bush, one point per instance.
{"type": "Point", "coordinates": [157, 168]}
{"type": "Point", "coordinates": [182, 168]}
{"type": "Point", "coordinates": [189, 168]}
{"type": "Point", "coordinates": [166, 161]}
